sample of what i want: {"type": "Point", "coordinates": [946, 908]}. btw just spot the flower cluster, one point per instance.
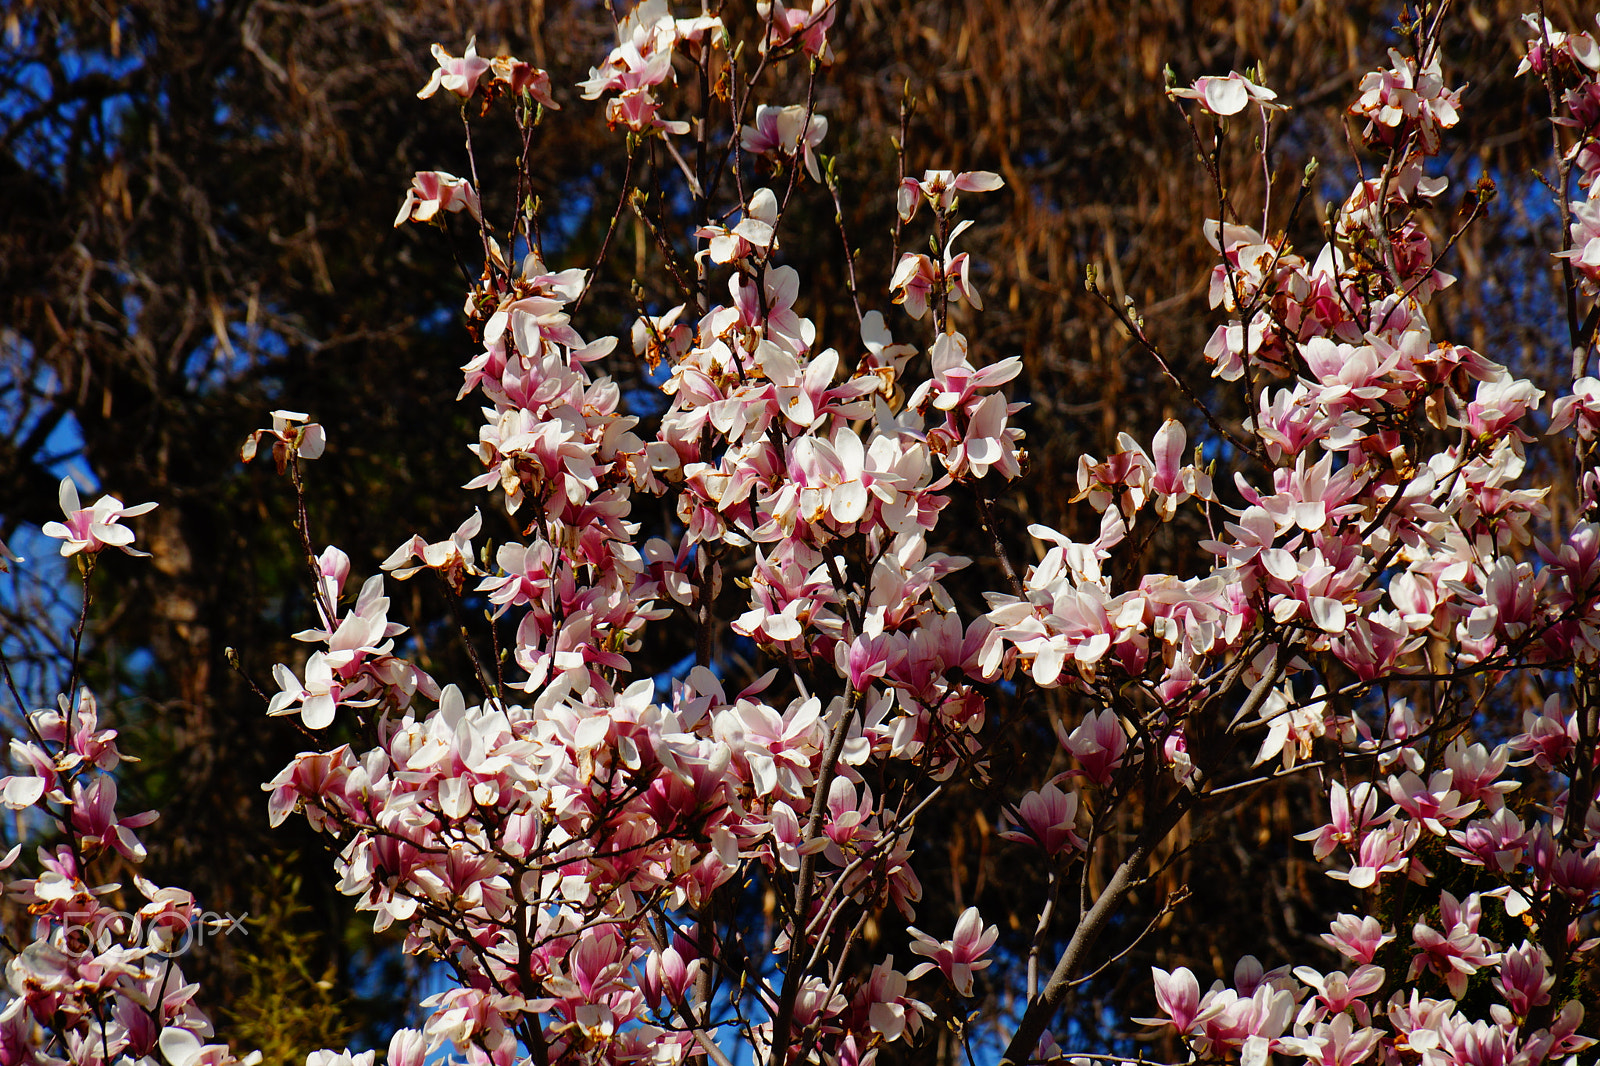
{"type": "Point", "coordinates": [575, 837]}
{"type": "Point", "coordinates": [1576, 57]}
{"type": "Point", "coordinates": [92, 974]}
{"type": "Point", "coordinates": [1409, 100]}
{"type": "Point", "coordinates": [539, 845]}
{"type": "Point", "coordinates": [562, 839]}
{"type": "Point", "coordinates": [642, 60]}
{"type": "Point", "coordinates": [1383, 828]}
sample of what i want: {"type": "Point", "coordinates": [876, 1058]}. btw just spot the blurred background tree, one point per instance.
{"type": "Point", "coordinates": [198, 198]}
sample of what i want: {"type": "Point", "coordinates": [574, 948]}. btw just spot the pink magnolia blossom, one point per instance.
{"type": "Point", "coordinates": [768, 305]}
{"type": "Point", "coordinates": [806, 23]}
{"type": "Point", "coordinates": [40, 776]}
{"type": "Point", "coordinates": [1435, 803]}
{"type": "Point", "coordinates": [1497, 841]}
{"type": "Point", "coordinates": [1551, 41]}
{"type": "Point", "coordinates": [754, 233]}
{"type": "Point", "coordinates": [1047, 818]}
{"type": "Point", "coordinates": [1178, 997]}
{"type": "Point", "coordinates": [1548, 734]}
{"type": "Point", "coordinates": [341, 1058]}
{"type": "Point", "coordinates": [989, 441]}
{"type": "Point", "coordinates": [1357, 938]}
{"type": "Point", "coordinates": [1335, 1043]}
{"type": "Point", "coordinates": [92, 529]}
{"type": "Point", "coordinates": [1524, 979]}
{"type": "Point", "coordinates": [1099, 743]}
{"type": "Point", "coordinates": [1477, 773]}
{"type": "Point", "coordinates": [292, 434]}
{"type": "Point", "coordinates": [1499, 404]}
{"type": "Point", "coordinates": [642, 59]}
{"type": "Point", "coordinates": [1351, 813]}
{"type": "Point", "coordinates": [452, 558]}
{"type": "Point", "coordinates": [1404, 97]}
{"type": "Point", "coordinates": [775, 749]}
{"type": "Point", "coordinates": [918, 277]}
{"type": "Point", "coordinates": [184, 1047]}
{"type": "Point", "coordinates": [786, 132]}
{"type": "Point", "coordinates": [915, 279]}
{"type": "Point", "coordinates": [459, 76]}
{"type": "Point", "coordinates": [959, 957]}
{"type": "Point", "coordinates": [1228, 94]}
{"type": "Point", "coordinates": [1581, 408]}
{"type": "Point", "coordinates": [433, 191]}
{"type": "Point", "coordinates": [638, 110]}
{"type": "Point", "coordinates": [940, 188]}
{"type": "Point", "coordinates": [1293, 725]}
{"type": "Point", "coordinates": [95, 819]}
{"type": "Point", "coordinates": [519, 77]}
{"type": "Point", "coordinates": [1459, 951]}
{"type": "Point", "coordinates": [1584, 255]}
{"type": "Point", "coordinates": [1338, 992]}
{"type": "Point", "coordinates": [891, 1013]}
{"type": "Point", "coordinates": [317, 699]}
{"type": "Point", "coordinates": [1382, 851]}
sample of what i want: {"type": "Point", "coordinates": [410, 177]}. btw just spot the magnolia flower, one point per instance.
{"type": "Point", "coordinates": [1350, 814]}
{"type": "Point", "coordinates": [1099, 743]}
{"type": "Point", "coordinates": [958, 957]}
{"type": "Point", "coordinates": [1497, 841]}
{"type": "Point", "coordinates": [341, 1058]}
{"type": "Point", "coordinates": [1047, 818]}
{"type": "Point", "coordinates": [658, 337]}
{"type": "Point", "coordinates": [1582, 407]}
{"type": "Point", "coordinates": [786, 131]}
{"type": "Point", "coordinates": [1334, 1043]}
{"type": "Point", "coordinates": [519, 77]}
{"type": "Point", "coordinates": [459, 76]}
{"type": "Point", "coordinates": [94, 819]}
{"type": "Point", "coordinates": [408, 1047]}
{"type": "Point", "coordinates": [808, 22]}
{"type": "Point", "coordinates": [1228, 95]}
{"type": "Point", "coordinates": [890, 1012]}
{"type": "Point", "coordinates": [636, 109]}
{"type": "Point", "coordinates": [1581, 48]}
{"type": "Point", "coordinates": [1435, 803]}
{"type": "Point", "coordinates": [1357, 939]}
{"type": "Point", "coordinates": [918, 277]}
{"type": "Point", "coordinates": [305, 441]}
{"type": "Point", "coordinates": [1456, 950]}
{"type": "Point", "coordinates": [433, 191]}
{"type": "Point", "coordinates": [1524, 979]}
{"type": "Point", "coordinates": [452, 558]}
{"type": "Point", "coordinates": [914, 281]}
{"type": "Point", "coordinates": [939, 188]}
{"type": "Point", "coordinates": [1178, 996]}
{"type": "Point", "coordinates": [1383, 851]}
{"type": "Point", "coordinates": [89, 529]}
{"type": "Point", "coordinates": [24, 789]}
{"type": "Point", "coordinates": [882, 351]}
{"type": "Point", "coordinates": [1403, 95]}
{"type": "Point", "coordinates": [316, 700]}
{"type": "Point", "coordinates": [1292, 726]}
{"type": "Point", "coordinates": [755, 232]}
{"type": "Point", "coordinates": [182, 1047]}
